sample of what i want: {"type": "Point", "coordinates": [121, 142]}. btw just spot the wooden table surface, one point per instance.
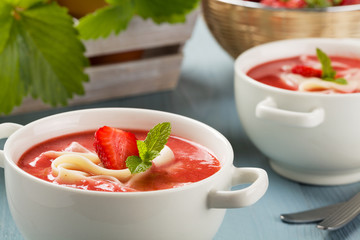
{"type": "Point", "coordinates": [205, 92]}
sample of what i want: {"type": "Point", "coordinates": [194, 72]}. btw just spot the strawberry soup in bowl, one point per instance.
{"type": "Point", "coordinates": [122, 173]}
{"type": "Point", "coordinates": [298, 101]}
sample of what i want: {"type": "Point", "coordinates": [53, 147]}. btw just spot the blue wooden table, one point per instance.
{"type": "Point", "coordinates": [205, 92]}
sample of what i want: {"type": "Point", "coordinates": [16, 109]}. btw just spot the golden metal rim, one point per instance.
{"type": "Point", "coordinates": [249, 4]}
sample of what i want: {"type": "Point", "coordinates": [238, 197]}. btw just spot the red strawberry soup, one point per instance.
{"type": "Point", "coordinates": [97, 161]}
{"type": "Point", "coordinates": [320, 73]}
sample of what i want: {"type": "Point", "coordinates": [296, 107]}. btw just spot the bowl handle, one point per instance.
{"type": "Point", "coordinates": [267, 109]}
{"type": "Point", "coordinates": [6, 129]}
{"type": "Point", "coordinates": [243, 197]}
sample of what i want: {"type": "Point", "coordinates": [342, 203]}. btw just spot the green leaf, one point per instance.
{"type": "Point", "coordinates": [164, 10]}
{"type": "Point", "coordinates": [142, 167]}
{"type": "Point", "coordinates": [6, 21]}
{"type": "Point", "coordinates": [341, 81]}
{"type": "Point", "coordinates": [27, 3]}
{"type": "Point", "coordinates": [115, 17]}
{"type": "Point", "coordinates": [132, 163]}
{"type": "Point", "coordinates": [12, 88]}
{"type": "Point", "coordinates": [142, 149]}
{"type": "Point", "coordinates": [107, 20]}
{"type": "Point", "coordinates": [327, 70]}
{"type": "Point", "coordinates": [158, 136]}
{"type": "Point", "coordinates": [328, 73]}
{"type": "Point", "coordinates": [150, 148]}
{"type": "Point", "coordinates": [137, 165]}
{"type": "Point", "coordinates": [40, 54]}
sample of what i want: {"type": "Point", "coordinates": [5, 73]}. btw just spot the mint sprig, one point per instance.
{"type": "Point", "coordinates": [150, 148]}
{"type": "Point", "coordinates": [328, 73]}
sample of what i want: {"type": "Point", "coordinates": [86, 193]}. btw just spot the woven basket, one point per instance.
{"type": "Point", "coordinates": [238, 25]}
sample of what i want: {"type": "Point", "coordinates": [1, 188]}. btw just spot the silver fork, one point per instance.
{"type": "Point", "coordinates": [343, 215]}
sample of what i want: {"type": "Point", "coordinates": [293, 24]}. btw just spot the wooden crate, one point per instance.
{"type": "Point", "coordinates": [147, 57]}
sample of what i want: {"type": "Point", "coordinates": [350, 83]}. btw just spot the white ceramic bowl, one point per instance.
{"type": "Point", "coordinates": [309, 137]}
{"type": "Point", "coordinates": [44, 211]}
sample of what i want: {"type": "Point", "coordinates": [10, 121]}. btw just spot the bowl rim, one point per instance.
{"type": "Point", "coordinates": [243, 75]}
{"type": "Point", "coordinates": [228, 163]}
{"type": "Point", "coordinates": [256, 5]}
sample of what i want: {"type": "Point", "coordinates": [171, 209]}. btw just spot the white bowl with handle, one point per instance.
{"type": "Point", "coordinates": [43, 210]}
{"type": "Point", "coordinates": [309, 137]}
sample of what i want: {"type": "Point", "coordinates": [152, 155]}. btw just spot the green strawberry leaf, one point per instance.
{"type": "Point", "coordinates": [150, 148]}
{"type": "Point", "coordinates": [6, 20]}
{"type": "Point", "coordinates": [12, 88]}
{"type": "Point", "coordinates": [165, 11]}
{"type": "Point", "coordinates": [115, 17]}
{"type": "Point", "coordinates": [103, 22]}
{"type": "Point", "coordinates": [40, 54]}
{"type": "Point", "coordinates": [26, 3]}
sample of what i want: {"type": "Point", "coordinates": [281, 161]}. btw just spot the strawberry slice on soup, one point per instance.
{"type": "Point", "coordinates": [306, 71]}
{"type": "Point", "coordinates": [113, 146]}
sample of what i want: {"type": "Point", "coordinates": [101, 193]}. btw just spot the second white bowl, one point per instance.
{"type": "Point", "coordinates": [309, 137]}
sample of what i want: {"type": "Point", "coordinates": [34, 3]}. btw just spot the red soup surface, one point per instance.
{"type": "Point", "coordinates": [280, 73]}
{"type": "Point", "coordinates": [192, 163]}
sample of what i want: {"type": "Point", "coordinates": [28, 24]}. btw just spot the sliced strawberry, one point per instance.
{"type": "Point", "coordinates": [113, 146]}
{"type": "Point", "coordinates": [306, 71]}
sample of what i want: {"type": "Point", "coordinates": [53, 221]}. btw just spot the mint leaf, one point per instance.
{"type": "Point", "coordinates": [142, 149]}
{"type": "Point", "coordinates": [150, 148]}
{"type": "Point", "coordinates": [158, 136]}
{"type": "Point", "coordinates": [328, 73]}
{"type": "Point", "coordinates": [341, 81]}
{"type": "Point", "coordinates": [133, 162]}
{"type": "Point", "coordinates": [40, 54]}
{"type": "Point", "coordinates": [327, 70]}
{"type": "Point", "coordinates": [101, 23]}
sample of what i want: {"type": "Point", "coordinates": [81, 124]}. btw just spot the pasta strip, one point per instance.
{"type": "Point", "coordinates": [70, 167]}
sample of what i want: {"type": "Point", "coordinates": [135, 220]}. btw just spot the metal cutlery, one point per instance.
{"type": "Point", "coordinates": [331, 217]}
{"type": "Point", "coordinates": [310, 216]}
{"type": "Point", "coordinates": [343, 215]}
